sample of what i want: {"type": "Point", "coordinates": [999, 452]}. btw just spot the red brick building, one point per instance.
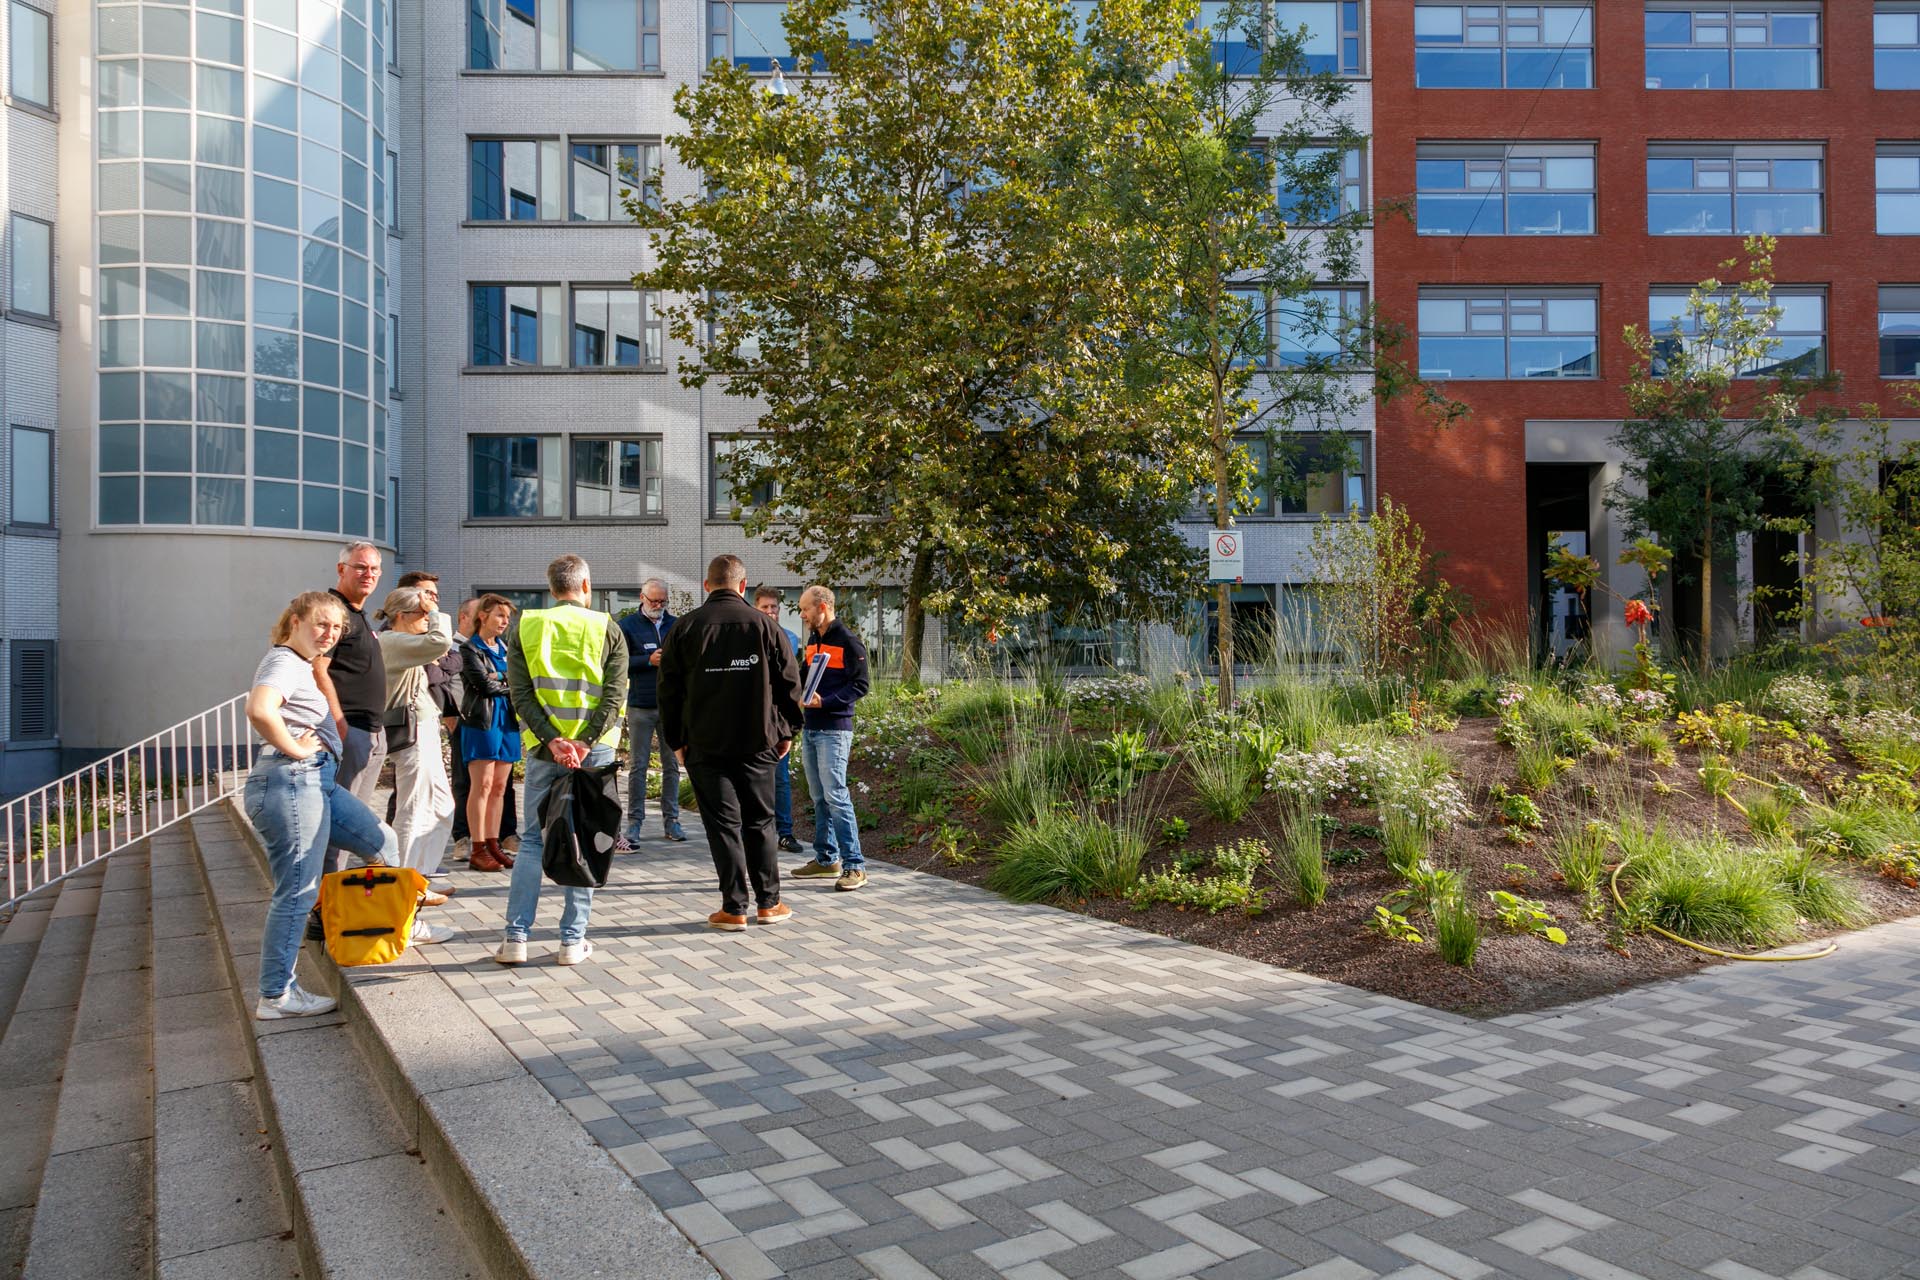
{"type": "Point", "coordinates": [1534, 458]}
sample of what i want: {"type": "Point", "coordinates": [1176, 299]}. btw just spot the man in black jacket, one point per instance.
{"type": "Point", "coordinates": [729, 708]}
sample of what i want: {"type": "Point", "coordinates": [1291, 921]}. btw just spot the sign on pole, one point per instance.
{"type": "Point", "coordinates": [1226, 556]}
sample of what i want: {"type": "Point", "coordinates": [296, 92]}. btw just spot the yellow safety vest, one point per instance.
{"type": "Point", "coordinates": [565, 648]}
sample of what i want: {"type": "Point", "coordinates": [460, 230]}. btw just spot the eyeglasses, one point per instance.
{"type": "Point", "coordinates": [654, 599]}
{"type": "Point", "coordinates": [364, 568]}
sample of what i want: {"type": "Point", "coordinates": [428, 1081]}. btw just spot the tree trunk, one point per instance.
{"type": "Point", "coordinates": [1706, 591]}
{"type": "Point", "coordinates": [1222, 511]}
{"type": "Point", "coordinates": [914, 623]}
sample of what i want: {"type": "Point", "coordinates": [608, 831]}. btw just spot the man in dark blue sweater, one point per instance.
{"type": "Point", "coordinates": [827, 744]}
{"type": "Point", "coordinates": [646, 631]}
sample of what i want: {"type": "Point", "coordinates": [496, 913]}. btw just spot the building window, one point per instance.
{"type": "Point", "coordinates": [30, 266]}
{"type": "Point", "coordinates": [1316, 327]}
{"type": "Point", "coordinates": [616, 329]}
{"type": "Point", "coordinates": [617, 479]}
{"type": "Point", "coordinates": [600, 35]}
{"type": "Point", "coordinates": [1509, 333]}
{"type": "Point", "coordinates": [1900, 331]}
{"type": "Point", "coordinates": [753, 34]}
{"type": "Point", "coordinates": [33, 682]}
{"type": "Point", "coordinates": [1897, 188]}
{"type": "Point", "coordinates": [390, 184]}
{"type": "Point", "coordinates": [516, 477]}
{"type": "Point", "coordinates": [1733, 46]}
{"type": "Point", "coordinates": [1501, 189]}
{"type": "Point", "coordinates": [515, 180]}
{"type": "Point", "coordinates": [1510, 46]}
{"type": "Point", "coordinates": [1896, 46]}
{"type": "Point", "coordinates": [1300, 475]}
{"type": "Point", "coordinates": [30, 458]}
{"type": "Point", "coordinates": [30, 41]}
{"type": "Point", "coordinates": [1330, 41]}
{"type": "Point", "coordinates": [1720, 189]}
{"type": "Point", "coordinates": [724, 502]}
{"type": "Point", "coordinates": [606, 173]}
{"type": "Point", "coordinates": [518, 324]}
{"type": "Point", "coordinates": [390, 25]}
{"type": "Point", "coordinates": [1309, 182]}
{"type": "Point", "coordinates": [393, 350]}
{"type": "Point", "coordinates": [1799, 332]}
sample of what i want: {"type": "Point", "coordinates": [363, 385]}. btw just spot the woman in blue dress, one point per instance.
{"type": "Point", "coordinates": [489, 733]}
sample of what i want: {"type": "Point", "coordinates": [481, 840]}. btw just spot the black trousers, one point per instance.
{"type": "Point", "coordinates": [736, 807]}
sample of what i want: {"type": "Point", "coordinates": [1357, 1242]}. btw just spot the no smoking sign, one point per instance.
{"type": "Point", "coordinates": [1226, 556]}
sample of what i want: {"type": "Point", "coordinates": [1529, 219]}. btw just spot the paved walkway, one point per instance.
{"type": "Point", "coordinates": [921, 1080]}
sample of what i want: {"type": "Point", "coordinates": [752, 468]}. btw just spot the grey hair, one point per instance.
{"type": "Point", "coordinates": [567, 575]}
{"type": "Point", "coordinates": [655, 582]}
{"type": "Point", "coordinates": [401, 600]}
{"type": "Point", "coordinates": [346, 552]}
{"type": "Point", "coordinates": [817, 594]}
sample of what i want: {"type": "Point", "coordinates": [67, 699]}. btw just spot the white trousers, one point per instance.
{"type": "Point", "coordinates": [422, 803]}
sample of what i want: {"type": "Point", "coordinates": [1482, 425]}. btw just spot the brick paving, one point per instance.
{"type": "Point", "coordinates": [922, 1080]}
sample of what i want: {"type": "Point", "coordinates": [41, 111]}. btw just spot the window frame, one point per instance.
{"type": "Point", "coordinates": [1507, 295]}
{"type": "Point", "coordinates": [541, 156]}
{"type": "Point", "coordinates": [652, 328]}
{"type": "Point", "coordinates": [1896, 151]}
{"type": "Point", "coordinates": [44, 46]}
{"type": "Point", "coordinates": [1472, 153]}
{"type": "Point", "coordinates": [1269, 506]}
{"type": "Point", "coordinates": [1350, 35]}
{"type": "Point", "coordinates": [1909, 53]}
{"type": "Point", "coordinates": [1504, 45]}
{"type": "Point", "coordinates": [1353, 185]}
{"type": "Point", "coordinates": [720, 36]}
{"type": "Point", "coordinates": [1737, 157]}
{"type": "Point", "coordinates": [733, 515]}
{"type": "Point", "coordinates": [1898, 305]}
{"type": "Point", "coordinates": [507, 364]}
{"type": "Point", "coordinates": [647, 36]}
{"type": "Point", "coordinates": [645, 147]}
{"type": "Point", "coordinates": [618, 438]}
{"type": "Point", "coordinates": [15, 431]}
{"type": "Point", "coordinates": [540, 473]}
{"type": "Point", "coordinates": [1659, 316]}
{"type": "Point", "coordinates": [14, 219]}
{"type": "Point", "coordinates": [1739, 16]}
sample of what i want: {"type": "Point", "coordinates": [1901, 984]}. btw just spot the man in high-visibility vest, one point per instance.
{"type": "Point", "coordinates": [567, 670]}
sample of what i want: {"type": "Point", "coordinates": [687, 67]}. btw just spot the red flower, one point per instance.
{"type": "Point", "coordinates": [1638, 615]}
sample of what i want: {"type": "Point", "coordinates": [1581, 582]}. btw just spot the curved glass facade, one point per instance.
{"type": "Point", "coordinates": [242, 273]}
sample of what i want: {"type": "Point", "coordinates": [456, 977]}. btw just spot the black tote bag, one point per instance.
{"type": "Point", "coordinates": [579, 825]}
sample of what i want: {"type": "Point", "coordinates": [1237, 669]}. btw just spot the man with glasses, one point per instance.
{"type": "Point", "coordinates": [646, 632]}
{"type": "Point", "coordinates": [352, 676]}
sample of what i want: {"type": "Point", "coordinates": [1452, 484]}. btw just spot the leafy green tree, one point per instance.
{"type": "Point", "coordinates": [1224, 118]}
{"type": "Point", "coordinates": [899, 263]}
{"type": "Point", "coordinates": [1714, 418]}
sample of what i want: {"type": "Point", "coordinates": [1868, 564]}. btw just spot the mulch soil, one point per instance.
{"type": "Point", "coordinates": [1513, 973]}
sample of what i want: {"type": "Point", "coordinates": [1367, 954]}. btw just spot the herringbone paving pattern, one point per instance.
{"type": "Point", "coordinates": [921, 1080]}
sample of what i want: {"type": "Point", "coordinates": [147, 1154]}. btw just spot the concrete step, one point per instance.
{"type": "Point", "coordinates": [218, 1211]}
{"type": "Point", "coordinates": [19, 943]}
{"type": "Point", "coordinates": [93, 1219]}
{"type": "Point", "coordinates": [362, 1200]}
{"type": "Point", "coordinates": [34, 1044]}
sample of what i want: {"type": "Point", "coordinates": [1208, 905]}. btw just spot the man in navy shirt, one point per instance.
{"type": "Point", "coordinates": [646, 631]}
{"type": "Point", "coordinates": [767, 601]}
{"type": "Point", "coordinates": [828, 742]}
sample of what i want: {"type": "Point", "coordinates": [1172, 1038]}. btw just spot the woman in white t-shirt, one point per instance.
{"type": "Point", "coordinates": [291, 799]}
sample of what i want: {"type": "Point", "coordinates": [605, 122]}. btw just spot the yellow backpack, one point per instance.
{"type": "Point", "coordinates": [368, 913]}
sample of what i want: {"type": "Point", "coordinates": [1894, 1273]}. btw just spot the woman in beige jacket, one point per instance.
{"type": "Point", "coordinates": [416, 636]}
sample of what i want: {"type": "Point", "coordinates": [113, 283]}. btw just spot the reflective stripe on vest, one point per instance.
{"type": "Point", "coordinates": [565, 648]}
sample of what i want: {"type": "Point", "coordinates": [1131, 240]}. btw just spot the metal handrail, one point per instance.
{"type": "Point", "coordinates": [96, 811]}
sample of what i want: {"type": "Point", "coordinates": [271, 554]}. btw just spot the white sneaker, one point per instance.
{"type": "Point", "coordinates": [511, 952]}
{"type": "Point", "coordinates": [425, 933]}
{"type": "Point", "coordinates": [574, 952]}
{"type": "Point", "coordinates": [293, 1003]}
{"type": "Point", "coordinates": [461, 848]}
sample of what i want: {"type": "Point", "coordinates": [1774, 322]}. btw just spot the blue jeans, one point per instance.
{"type": "Point", "coordinates": [783, 797]}
{"type": "Point", "coordinates": [836, 833]}
{"type": "Point", "coordinates": [299, 811]}
{"type": "Point", "coordinates": [523, 892]}
{"type": "Point", "coordinates": [643, 726]}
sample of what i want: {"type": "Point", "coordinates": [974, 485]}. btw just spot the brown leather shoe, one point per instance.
{"type": "Point", "coordinates": [482, 859]}
{"type": "Point", "coordinates": [778, 913]}
{"type": "Point", "coordinates": [729, 923]}
{"type": "Point", "coordinates": [500, 855]}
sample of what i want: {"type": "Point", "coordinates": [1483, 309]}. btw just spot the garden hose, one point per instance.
{"type": "Point", "coordinates": [1614, 884]}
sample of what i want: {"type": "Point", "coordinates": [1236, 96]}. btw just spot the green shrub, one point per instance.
{"type": "Point", "coordinates": [988, 704]}
{"type": "Point", "coordinates": [1651, 741]}
{"type": "Point", "coordinates": [1817, 893]}
{"type": "Point", "coordinates": [1425, 885]}
{"type": "Point", "coordinates": [1224, 778]}
{"type": "Point", "coordinates": [1537, 765]}
{"type": "Point", "coordinates": [1708, 891]}
{"type": "Point", "coordinates": [1858, 831]}
{"type": "Point", "coordinates": [1404, 840]}
{"type": "Point", "coordinates": [1302, 859]}
{"type": "Point", "coordinates": [1456, 928]}
{"type": "Point", "coordinates": [1303, 714]}
{"type": "Point", "coordinates": [1526, 915]}
{"type": "Point", "coordinates": [1770, 815]}
{"type": "Point", "coordinates": [1237, 863]}
{"type": "Point", "coordinates": [1064, 854]}
{"type": "Point", "coordinates": [1028, 783]}
{"type": "Point", "coordinates": [1579, 853]}
{"type": "Point", "coordinates": [920, 792]}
